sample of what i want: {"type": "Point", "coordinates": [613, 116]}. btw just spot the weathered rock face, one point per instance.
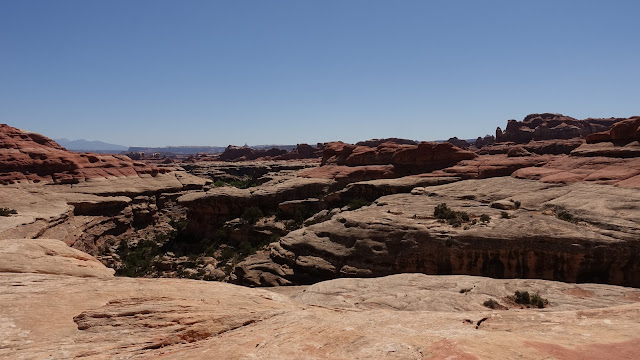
{"type": "Point", "coordinates": [106, 317]}
{"type": "Point", "coordinates": [551, 126]}
{"type": "Point", "coordinates": [487, 140]}
{"type": "Point", "coordinates": [400, 234]}
{"type": "Point", "coordinates": [423, 156]}
{"type": "Point", "coordinates": [35, 158]}
{"type": "Point", "coordinates": [208, 209]}
{"type": "Point", "coordinates": [91, 215]}
{"type": "Point", "coordinates": [623, 131]}
{"type": "Point", "coordinates": [463, 144]}
{"type": "Point", "coordinates": [302, 151]}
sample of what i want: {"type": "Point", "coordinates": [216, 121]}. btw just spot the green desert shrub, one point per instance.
{"type": "Point", "coordinates": [565, 215]}
{"type": "Point", "coordinates": [485, 218]}
{"type": "Point", "coordinates": [136, 261]}
{"type": "Point", "coordinates": [252, 214]}
{"type": "Point", "coordinates": [452, 217]}
{"type": "Point", "coordinates": [492, 304]}
{"type": "Point", "coordinates": [358, 203]}
{"type": "Point", "coordinates": [529, 300]}
{"type": "Point", "coordinates": [505, 215]}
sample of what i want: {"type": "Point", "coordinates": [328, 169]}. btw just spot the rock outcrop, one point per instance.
{"type": "Point", "coordinates": [621, 141]}
{"type": "Point", "coordinates": [463, 144]}
{"type": "Point", "coordinates": [32, 157]}
{"type": "Point", "coordinates": [423, 157]}
{"type": "Point", "coordinates": [549, 126]}
{"type": "Point", "coordinates": [594, 243]}
{"type": "Point", "coordinates": [302, 151]}
{"type": "Point", "coordinates": [376, 142]}
{"type": "Point", "coordinates": [208, 209]}
{"type": "Point", "coordinates": [624, 131]}
{"type": "Point", "coordinates": [348, 163]}
{"type": "Point", "coordinates": [47, 256]}
{"type": "Point", "coordinates": [243, 153]}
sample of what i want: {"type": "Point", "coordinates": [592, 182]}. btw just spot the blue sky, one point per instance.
{"type": "Point", "coordinates": [156, 73]}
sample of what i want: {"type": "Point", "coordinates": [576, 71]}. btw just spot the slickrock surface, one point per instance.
{"type": "Point", "coordinates": [540, 147]}
{"type": "Point", "coordinates": [600, 170]}
{"type": "Point", "coordinates": [47, 256]}
{"type": "Point", "coordinates": [598, 242]}
{"type": "Point", "coordinates": [404, 316]}
{"type": "Point", "coordinates": [31, 157]}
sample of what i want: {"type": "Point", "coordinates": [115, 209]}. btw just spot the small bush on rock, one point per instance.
{"type": "Point", "coordinates": [252, 214]}
{"type": "Point", "coordinates": [491, 304]}
{"type": "Point", "coordinates": [565, 215]}
{"type": "Point", "coordinates": [452, 217]}
{"type": "Point", "coordinates": [358, 203]}
{"type": "Point", "coordinates": [7, 212]}
{"type": "Point", "coordinates": [528, 300]}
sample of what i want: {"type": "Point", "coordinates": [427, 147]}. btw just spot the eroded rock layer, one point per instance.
{"type": "Point", "coordinates": [573, 233]}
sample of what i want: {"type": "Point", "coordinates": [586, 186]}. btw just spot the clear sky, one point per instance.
{"type": "Point", "coordinates": [156, 73]}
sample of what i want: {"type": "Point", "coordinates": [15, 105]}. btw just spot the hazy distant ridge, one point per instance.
{"type": "Point", "coordinates": [86, 145]}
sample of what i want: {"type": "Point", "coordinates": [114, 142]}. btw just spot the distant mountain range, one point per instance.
{"type": "Point", "coordinates": [86, 145]}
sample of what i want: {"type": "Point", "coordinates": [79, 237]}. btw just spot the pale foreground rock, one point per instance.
{"type": "Point", "coordinates": [407, 316]}
{"type": "Point", "coordinates": [47, 256]}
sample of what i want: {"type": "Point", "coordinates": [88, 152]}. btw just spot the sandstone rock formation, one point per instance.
{"type": "Point", "coordinates": [242, 153]}
{"type": "Point", "coordinates": [595, 243]}
{"type": "Point", "coordinates": [376, 142]}
{"type": "Point", "coordinates": [420, 316]}
{"type": "Point", "coordinates": [549, 126]}
{"type": "Point", "coordinates": [624, 131]}
{"type": "Point", "coordinates": [46, 256]}
{"type": "Point", "coordinates": [482, 142]}
{"type": "Point", "coordinates": [208, 209]}
{"type": "Point", "coordinates": [463, 144]}
{"type": "Point", "coordinates": [33, 157]}
{"type": "Point", "coordinates": [302, 151]}
{"type": "Point", "coordinates": [349, 163]}
{"type": "Point", "coordinates": [600, 170]}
